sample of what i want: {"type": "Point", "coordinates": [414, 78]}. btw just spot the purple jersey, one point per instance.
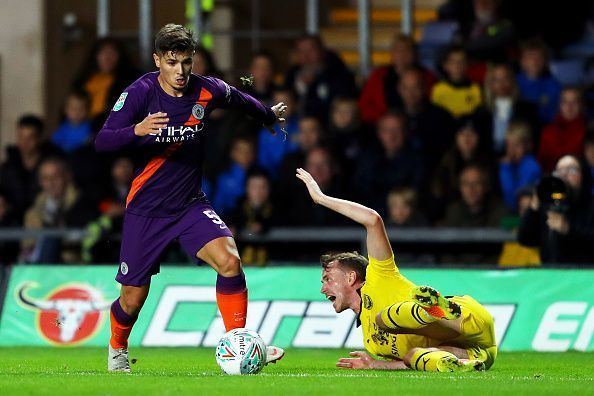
{"type": "Point", "coordinates": [170, 178]}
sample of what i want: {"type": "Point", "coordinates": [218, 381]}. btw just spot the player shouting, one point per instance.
{"type": "Point", "coordinates": [408, 326]}
{"type": "Point", "coordinates": [165, 115]}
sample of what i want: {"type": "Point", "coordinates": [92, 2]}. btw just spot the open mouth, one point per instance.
{"type": "Point", "coordinates": [331, 298]}
{"type": "Point", "coordinates": [180, 81]}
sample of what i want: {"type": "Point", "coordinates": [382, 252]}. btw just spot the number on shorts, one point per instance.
{"type": "Point", "coordinates": [213, 216]}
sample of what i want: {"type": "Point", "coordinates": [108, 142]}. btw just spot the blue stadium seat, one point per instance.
{"type": "Point", "coordinates": [438, 33]}
{"type": "Point", "coordinates": [568, 71]}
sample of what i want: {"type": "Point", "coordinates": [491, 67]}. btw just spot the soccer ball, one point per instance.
{"type": "Point", "coordinates": [240, 352]}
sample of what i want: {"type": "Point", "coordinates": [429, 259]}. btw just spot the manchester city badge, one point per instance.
{"type": "Point", "coordinates": [198, 111]}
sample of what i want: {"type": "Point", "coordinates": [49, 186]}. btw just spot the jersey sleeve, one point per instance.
{"type": "Point", "coordinates": [233, 98]}
{"type": "Point", "coordinates": [118, 130]}
{"type": "Point", "coordinates": [382, 268]}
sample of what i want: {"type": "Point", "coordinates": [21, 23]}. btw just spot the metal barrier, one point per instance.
{"type": "Point", "coordinates": [304, 235]}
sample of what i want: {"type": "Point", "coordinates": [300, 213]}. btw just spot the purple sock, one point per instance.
{"type": "Point", "coordinates": [121, 316]}
{"type": "Point", "coordinates": [232, 284]}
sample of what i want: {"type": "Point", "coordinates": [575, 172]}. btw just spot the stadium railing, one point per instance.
{"type": "Point", "coordinates": [311, 234]}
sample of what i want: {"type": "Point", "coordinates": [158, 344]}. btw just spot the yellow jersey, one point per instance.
{"type": "Point", "coordinates": [458, 100]}
{"type": "Point", "coordinates": [384, 286]}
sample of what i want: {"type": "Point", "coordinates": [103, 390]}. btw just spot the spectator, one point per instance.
{"type": "Point", "coordinates": [272, 149]}
{"type": "Point", "coordinates": [105, 74]}
{"type": "Point", "coordinates": [75, 131]}
{"type": "Point", "coordinates": [589, 154]}
{"type": "Point", "coordinates": [204, 63]}
{"type": "Point", "coordinates": [537, 84]}
{"type": "Point", "coordinates": [345, 134]}
{"type": "Point", "coordinates": [97, 246]}
{"type": "Point", "coordinates": [59, 205]}
{"type": "Point", "coordinates": [18, 174]}
{"type": "Point", "coordinates": [563, 237]}
{"type": "Point", "coordinates": [263, 86]}
{"type": "Point", "coordinates": [9, 250]}
{"type": "Point", "coordinates": [379, 93]}
{"type": "Point", "coordinates": [477, 207]}
{"type": "Point", "coordinates": [310, 136]}
{"type": "Point", "coordinates": [392, 164]}
{"type": "Point", "coordinates": [466, 150]}
{"type": "Point", "coordinates": [518, 168]}
{"type": "Point", "coordinates": [230, 185]}
{"type": "Point", "coordinates": [503, 106]}
{"type": "Point", "coordinates": [322, 166]}
{"type": "Point", "coordinates": [319, 77]}
{"type": "Point", "coordinates": [455, 92]}
{"type": "Point", "coordinates": [513, 254]}
{"type": "Point", "coordinates": [402, 208]}
{"type": "Point", "coordinates": [254, 215]}
{"type": "Point", "coordinates": [565, 135]}
{"type": "Point", "coordinates": [431, 128]}
{"type": "Point", "coordinates": [490, 35]}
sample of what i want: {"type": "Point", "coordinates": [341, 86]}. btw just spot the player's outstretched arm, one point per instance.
{"type": "Point", "coordinates": [378, 245]}
{"type": "Point", "coordinates": [361, 360]}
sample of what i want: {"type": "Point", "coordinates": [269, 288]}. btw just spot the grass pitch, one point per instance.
{"type": "Point", "coordinates": [158, 371]}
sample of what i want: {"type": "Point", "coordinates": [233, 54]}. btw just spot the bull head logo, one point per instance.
{"type": "Point", "coordinates": [67, 315]}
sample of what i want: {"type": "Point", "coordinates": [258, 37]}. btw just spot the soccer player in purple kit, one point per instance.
{"type": "Point", "coordinates": [164, 115]}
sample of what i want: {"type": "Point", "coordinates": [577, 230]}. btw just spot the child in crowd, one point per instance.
{"type": "Point", "coordinates": [345, 134]}
{"type": "Point", "coordinates": [75, 132]}
{"type": "Point", "coordinates": [536, 83]}
{"type": "Point", "coordinates": [254, 214]}
{"type": "Point", "coordinates": [272, 149]}
{"type": "Point", "coordinates": [230, 185]}
{"type": "Point", "coordinates": [518, 168]}
{"type": "Point", "coordinates": [456, 93]}
{"type": "Point", "coordinates": [402, 208]}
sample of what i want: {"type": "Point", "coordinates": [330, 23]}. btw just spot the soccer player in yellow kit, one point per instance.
{"type": "Point", "coordinates": [404, 325]}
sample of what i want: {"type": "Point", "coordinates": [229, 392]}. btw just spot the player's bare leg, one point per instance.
{"type": "Point", "coordinates": [232, 295]}
{"type": "Point", "coordinates": [124, 312]}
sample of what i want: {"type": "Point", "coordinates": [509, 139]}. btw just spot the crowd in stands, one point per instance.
{"type": "Point", "coordinates": [461, 141]}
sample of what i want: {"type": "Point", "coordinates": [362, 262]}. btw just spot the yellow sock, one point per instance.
{"type": "Point", "coordinates": [426, 359]}
{"type": "Point", "coordinates": [406, 315]}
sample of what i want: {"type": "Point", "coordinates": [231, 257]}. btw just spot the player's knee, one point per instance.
{"type": "Point", "coordinates": [408, 357]}
{"type": "Point", "coordinates": [132, 303]}
{"type": "Point", "coordinates": [229, 265]}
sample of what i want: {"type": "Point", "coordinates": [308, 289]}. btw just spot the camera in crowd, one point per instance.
{"type": "Point", "coordinates": [553, 194]}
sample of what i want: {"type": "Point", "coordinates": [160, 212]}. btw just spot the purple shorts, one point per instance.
{"type": "Point", "coordinates": [144, 239]}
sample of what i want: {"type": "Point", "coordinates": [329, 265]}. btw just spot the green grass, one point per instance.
{"type": "Point", "coordinates": [82, 371]}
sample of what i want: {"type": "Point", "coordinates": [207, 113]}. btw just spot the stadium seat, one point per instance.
{"type": "Point", "coordinates": [568, 71]}
{"type": "Point", "coordinates": [438, 34]}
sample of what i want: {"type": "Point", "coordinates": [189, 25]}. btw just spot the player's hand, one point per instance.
{"type": "Point", "coordinates": [557, 222]}
{"type": "Point", "coordinates": [360, 360]}
{"type": "Point", "coordinates": [151, 124]}
{"type": "Point", "coordinates": [279, 110]}
{"type": "Point", "coordinates": [313, 188]}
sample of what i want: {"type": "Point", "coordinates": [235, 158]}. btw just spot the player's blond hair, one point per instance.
{"type": "Point", "coordinates": [352, 261]}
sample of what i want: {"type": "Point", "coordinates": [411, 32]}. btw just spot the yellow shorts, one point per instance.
{"type": "Point", "coordinates": [478, 331]}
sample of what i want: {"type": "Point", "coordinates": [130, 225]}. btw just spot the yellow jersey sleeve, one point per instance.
{"type": "Point", "coordinates": [382, 268]}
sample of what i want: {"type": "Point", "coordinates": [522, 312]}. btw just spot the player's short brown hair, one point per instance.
{"type": "Point", "coordinates": [174, 38]}
{"type": "Point", "coordinates": [351, 261]}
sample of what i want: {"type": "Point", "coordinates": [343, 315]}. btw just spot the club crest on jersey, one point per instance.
{"type": "Point", "coordinates": [120, 102]}
{"type": "Point", "coordinates": [367, 302]}
{"type": "Point", "coordinates": [198, 111]}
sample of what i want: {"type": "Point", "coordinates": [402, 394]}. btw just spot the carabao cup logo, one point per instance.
{"type": "Point", "coordinates": [69, 314]}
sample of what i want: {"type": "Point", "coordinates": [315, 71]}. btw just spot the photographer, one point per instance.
{"type": "Point", "coordinates": [561, 223]}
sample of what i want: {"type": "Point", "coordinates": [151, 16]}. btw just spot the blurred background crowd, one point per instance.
{"type": "Point", "coordinates": [455, 131]}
